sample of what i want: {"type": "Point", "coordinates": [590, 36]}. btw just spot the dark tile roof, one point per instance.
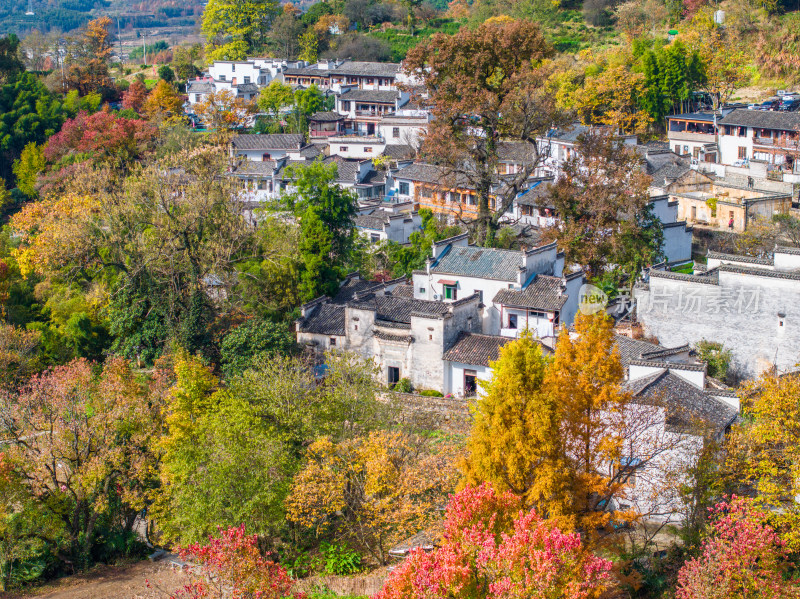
{"type": "Point", "coordinates": [370, 95]}
{"type": "Point", "coordinates": [254, 167]}
{"type": "Point", "coordinates": [199, 87]}
{"type": "Point", "coordinates": [537, 194]}
{"type": "Point", "coordinates": [352, 286]}
{"type": "Point", "coordinates": [367, 221]}
{"type": "Point", "coordinates": [420, 171]}
{"type": "Point", "coordinates": [476, 350]}
{"type": "Point", "coordinates": [368, 69]}
{"type": "Point", "coordinates": [706, 117]}
{"type": "Point", "coordinates": [664, 166]}
{"type": "Point", "coordinates": [347, 169]}
{"type": "Point", "coordinates": [686, 404]}
{"type": "Point", "coordinates": [274, 141]}
{"type": "Point", "coordinates": [400, 309]}
{"type": "Point", "coordinates": [737, 258]}
{"type": "Point", "coordinates": [762, 119]}
{"type": "Point", "coordinates": [325, 319]}
{"type": "Point", "coordinates": [326, 117]}
{"type": "Point", "coordinates": [516, 151]}
{"type": "Point", "coordinates": [568, 134]}
{"type": "Point", "coordinates": [406, 291]}
{"type": "Point", "coordinates": [632, 349]}
{"type": "Point", "coordinates": [311, 152]}
{"type": "Point", "coordinates": [541, 294]}
{"type": "Point", "coordinates": [247, 87]}
{"type": "Point", "coordinates": [484, 263]}
{"type": "Point", "coordinates": [782, 249]}
{"type": "Point", "coordinates": [399, 151]}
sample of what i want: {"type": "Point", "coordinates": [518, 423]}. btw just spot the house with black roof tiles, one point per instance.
{"type": "Point", "coordinates": [404, 336]}
{"type": "Point", "coordinates": [521, 289]}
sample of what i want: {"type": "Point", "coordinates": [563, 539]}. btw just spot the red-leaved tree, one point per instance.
{"type": "Point", "coordinates": [231, 567]}
{"type": "Point", "coordinates": [103, 136]}
{"type": "Point", "coordinates": [492, 549]}
{"type": "Point", "coordinates": [741, 557]}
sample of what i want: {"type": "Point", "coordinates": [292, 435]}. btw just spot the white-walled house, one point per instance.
{"type": "Point", "coordinates": [520, 289]}
{"type": "Point", "coordinates": [750, 305]}
{"type": "Point", "coordinates": [380, 224]}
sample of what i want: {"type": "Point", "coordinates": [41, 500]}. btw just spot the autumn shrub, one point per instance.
{"type": "Point", "coordinates": [741, 557]}
{"type": "Point", "coordinates": [492, 549]}
{"type": "Point", "coordinates": [231, 567]}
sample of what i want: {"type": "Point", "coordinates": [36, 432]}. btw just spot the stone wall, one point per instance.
{"type": "Point", "coordinates": [449, 414]}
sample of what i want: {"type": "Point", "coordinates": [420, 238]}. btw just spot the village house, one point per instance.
{"type": "Point", "coordinates": [335, 74]}
{"type": "Point", "coordinates": [764, 136]}
{"type": "Point", "coordinates": [694, 135]}
{"type": "Point", "coordinates": [724, 206]}
{"type": "Point", "coordinates": [676, 408]}
{"type": "Point", "coordinates": [364, 109]}
{"type": "Point", "coordinates": [383, 223]}
{"type": "Point", "coordinates": [521, 290]}
{"type": "Point", "coordinates": [750, 305]}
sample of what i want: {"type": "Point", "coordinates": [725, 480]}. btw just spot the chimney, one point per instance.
{"type": "Point", "coordinates": [428, 262]}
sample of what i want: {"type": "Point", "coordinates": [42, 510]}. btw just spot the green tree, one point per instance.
{"type": "Point", "coordinates": [27, 168]}
{"type": "Point", "coordinates": [309, 44]}
{"type": "Point", "coordinates": [237, 28]}
{"type": "Point", "coordinates": [326, 213]}
{"type": "Point", "coordinates": [10, 63]}
{"type": "Point", "coordinates": [410, 257]}
{"type": "Point", "coordinates": [166, 74]}
{"type": "Point", "coordinates": [255, 337]}
{"type": "Point", "coordinates": [30, 113]}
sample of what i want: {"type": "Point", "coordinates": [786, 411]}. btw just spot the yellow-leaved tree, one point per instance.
{"type": "Point", "coordinates": [515, 443]}
{"type": "Point", "coordinates": [374, 490]}
{"type": "Point", "coordinates": [163, 104]}
{"type": "Point", "coordinates": [763, 452]}
{"type": "Point", "coordinates": [585, 382]}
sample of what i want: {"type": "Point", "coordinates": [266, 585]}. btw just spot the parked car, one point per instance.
{"type": "Point", "coordinates": [790, 104]}
{"type": "Point", "coordinates": [771, 104]}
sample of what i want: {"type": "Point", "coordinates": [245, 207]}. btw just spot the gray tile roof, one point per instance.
{"type": "Point", "coordinates": [370, 95]}
{"type": "Point", "coordinates": [400, 309]}
{"type": "Point", "coordinates": [247, 87]}
{"type": "Point", "coordinates": [326, 117]}
{"type": "Point", "coordinates": [367, 221]}
{"type": "Point", "coordinates": [406, 291]}
{"type": "Point", "coordinates": [274, 141]}
{"type": "Point", "coordinates": [200, 87]}
{"type": "Point", "coordinates": [311, 152]}
{"type": "Point", "coordinates": [516, 151]}
{"type": "Point", "coordinates": [353, 285]}
{"type": "Point", "coordinates": [476, 350]}
{"type": "Point", "coordinates": [325, 319]}
{"type": "Point", "coordinates": [632, 349]}
{"type": "Point", "coordinates": [399, 151]}
{"type": "Point", "coordinates": [474, 261]}
{"type": "Point", "coordinates": [368, 69]}
{"type": "Point", "coordinates": [762, 119]}
{"type": "Point", "coordinates": [254, 167]}
{"type": "Point", "coordinates": [707, 117]}
{"type": "Point", "coordinates": [347, 169]}
{"type": "Point", "coordinates": [686, 405]}
{"type": "Point", "coordinates": [538, 194]}
{"type": "Point", "coordinates": [568, 134]}
{"type": "Point", "coordinates": [541, 294]}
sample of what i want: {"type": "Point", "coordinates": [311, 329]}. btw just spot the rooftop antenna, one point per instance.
{"type": "Point", "coordinates": [30, 12]}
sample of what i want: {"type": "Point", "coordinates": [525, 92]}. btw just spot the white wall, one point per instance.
{"type": "Point", "coordinates": [454, 378]}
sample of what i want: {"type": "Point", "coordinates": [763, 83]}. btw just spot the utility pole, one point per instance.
{"type": "Point", "coordinates": [144, 48]}
{"type": "Point", "coordinates": [119, 39]}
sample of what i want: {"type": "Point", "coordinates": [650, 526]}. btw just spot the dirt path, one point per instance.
{"type": "Point", "coordinates": [113, 582]}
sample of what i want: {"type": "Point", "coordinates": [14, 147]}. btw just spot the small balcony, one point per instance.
{"type": "Point", "coordinates": [691, 136]}
{"type": "Point", "coordinates": [323, 133]}
{"type": "Point", "coordinates": [777, 142]}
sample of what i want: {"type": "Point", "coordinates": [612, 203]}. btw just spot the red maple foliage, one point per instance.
{"type": "Point", "coordinates": [492, 549]}
{"type": "Point", "coordinates": [231, 567]}
{"type": "Point", "coordinates": [103, 135]}
{"type": "Point", "coordinates": [741, 557]}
